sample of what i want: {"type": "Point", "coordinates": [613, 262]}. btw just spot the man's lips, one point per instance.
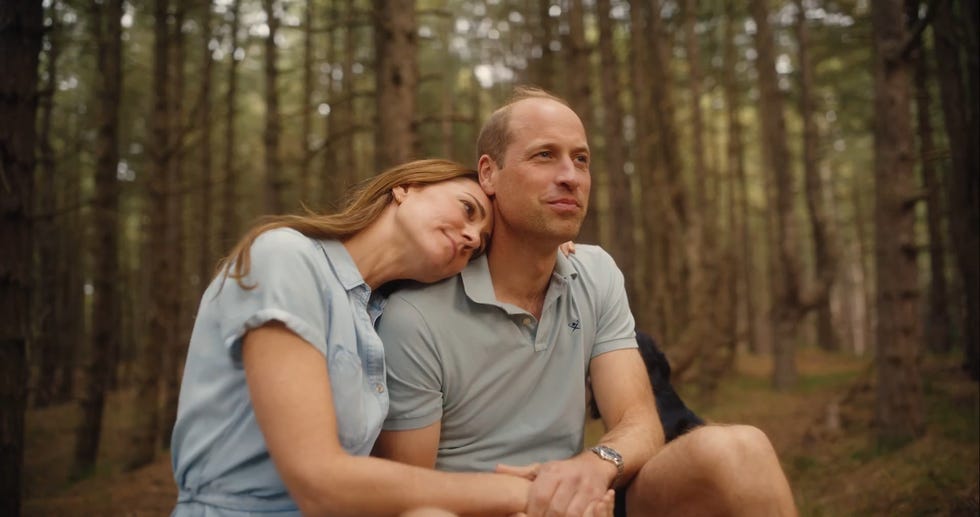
{"type": "Point", "coordinates": [565, 204]}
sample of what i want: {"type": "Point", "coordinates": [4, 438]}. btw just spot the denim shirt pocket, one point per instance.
{"type": "Point", "coordinates": [349, 396]}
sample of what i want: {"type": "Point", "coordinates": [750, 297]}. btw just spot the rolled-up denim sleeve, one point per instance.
{"type": "Point", "coordinates": [286, 287]}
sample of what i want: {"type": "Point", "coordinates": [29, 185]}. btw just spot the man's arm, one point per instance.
{"type": "Point", "coordinates": [622, 391]}
{"type": "Point", "coordinates": [418, 447]}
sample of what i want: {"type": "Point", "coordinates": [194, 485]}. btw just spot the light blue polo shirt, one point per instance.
{"type": "Point", "coordinates": [220, 461]}
{"type": "Point", "coordinates": [508, 387]}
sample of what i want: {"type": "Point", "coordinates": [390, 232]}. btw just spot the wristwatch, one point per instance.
{"type": "Point", "coordinates": [609, 454]}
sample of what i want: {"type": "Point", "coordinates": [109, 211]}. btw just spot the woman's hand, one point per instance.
{"type": "Point", "coordinates": [567, 248]}
{"type": "Point", "coordinates": [528, 472]}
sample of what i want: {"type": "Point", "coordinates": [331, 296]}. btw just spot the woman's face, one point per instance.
{"type": "Point", "coordinates": [448, 223]}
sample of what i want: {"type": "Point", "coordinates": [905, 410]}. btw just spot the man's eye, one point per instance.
{"type": "Point", "coordinates": [544, 154]}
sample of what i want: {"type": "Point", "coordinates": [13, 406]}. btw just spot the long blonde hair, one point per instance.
{"type": "Point", "coordinates": [360, 207]}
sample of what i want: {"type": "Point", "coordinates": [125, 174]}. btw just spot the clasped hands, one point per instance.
{"type": "Point", "coordinates": [572, 487]}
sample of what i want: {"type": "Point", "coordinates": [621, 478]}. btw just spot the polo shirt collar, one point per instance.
{"type": "Point", "coordinates": [479, 286]}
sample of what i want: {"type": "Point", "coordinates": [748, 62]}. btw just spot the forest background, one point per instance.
{"type": "Point", "coordinates": [790, 187]}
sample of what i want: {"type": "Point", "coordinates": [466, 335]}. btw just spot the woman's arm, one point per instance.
{"type": "Point", "coordinates": [290, 390]}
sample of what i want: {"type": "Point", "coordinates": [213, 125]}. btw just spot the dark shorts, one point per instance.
{"type": "Point", "coordinates": [620, 509]}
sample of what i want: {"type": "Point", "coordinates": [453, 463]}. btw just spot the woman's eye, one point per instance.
{"type": "Point", "coordinates": [469, 209]}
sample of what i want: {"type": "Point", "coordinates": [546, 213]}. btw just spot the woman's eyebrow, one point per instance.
{"type": "Point", "coordinates": [483, 211]}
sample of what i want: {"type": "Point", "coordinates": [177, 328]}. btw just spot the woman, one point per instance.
{"type": "Point", "coordinates": [284, 392]}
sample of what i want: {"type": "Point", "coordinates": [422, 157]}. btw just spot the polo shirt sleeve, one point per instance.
{"type": "Point", "coordinates": [287, 288]}
{"type": "Point", "coordinates": [615, 328]}
{"type": "Point", "coordinates": [412, 360]}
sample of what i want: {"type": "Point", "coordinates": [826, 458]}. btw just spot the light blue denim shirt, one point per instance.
{"type": "Point", "coordinates": [220, 460]}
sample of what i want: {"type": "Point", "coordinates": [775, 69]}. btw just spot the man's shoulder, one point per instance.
{"type": "Point", "coordinates": [412, 300]}
{"type": "Point", "coordinates": [592, 262]}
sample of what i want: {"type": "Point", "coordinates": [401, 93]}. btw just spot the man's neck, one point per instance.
{"type": "Point", "coordinates": [520, 269]}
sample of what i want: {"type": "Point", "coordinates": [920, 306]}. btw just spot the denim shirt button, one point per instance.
{"type": "Point", "coordinates": [379, 388]}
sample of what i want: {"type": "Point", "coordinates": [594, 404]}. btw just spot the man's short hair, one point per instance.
{"type": "Point", "coordinates": [495, 133]}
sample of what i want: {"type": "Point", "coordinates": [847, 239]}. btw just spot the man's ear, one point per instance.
{"type": "Point", "coordinates": [487, 169]}
{"type": "Point", "coordinates": [399, 193]}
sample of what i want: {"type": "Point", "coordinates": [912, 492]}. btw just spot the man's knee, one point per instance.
{"type": "Point", "coordinates": [718, 448]}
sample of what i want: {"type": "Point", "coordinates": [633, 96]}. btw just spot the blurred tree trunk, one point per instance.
{"type": "Point", "coordinates": [46, 346]}
{"type": "Point", "coordinates": [397, 80]}
{"type": "Point", "coordinates": [736, 174]}
{"type": "Point", "coordinates": [543, 68]}
{"type": "Point", "coordinates": [898, 406]}
{"type": "Point", "coordinates": [651, 314]}
{"type": "Point", "coordinates": [206, 199]}
{"type": "Point", "coordinates": [104, 344]}
{"type": "Point", "coordinates": [580, 99]}
{"type": "Point", "coordinates": [306, 185]}
{"type": "Point", "coordinates": [158, 256]}
{"type": "Point", "coordinates": [72, 333]}
{"type": "Point", "coordinates": [20, 45]}
{"type": "Point", "coordinates": [332, 172]}
{"type": "Point", "coordinates": [229, 216]}
{"type": "Point", "coordinates": [175, 349]}
{"type": "Point", "coordinates": [708, 298]}
{"type": "Point", "coordinates": [790, 298]}
{"type": "Point", "coordinates": [623, 246]}
{"type": "Point", "coordinates": [275, 179]}
{"type": "Point", "coordinates": [937, 325]}
{"type": "Point", "coordinates": [955, 44]}
{"type": "Point", "coordinates": [821, 223]}
{"type": "Point", "coordinates": [348, 159]}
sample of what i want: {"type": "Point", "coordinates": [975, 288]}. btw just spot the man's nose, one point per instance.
{"type": "Point", "coordinates": [568, 174]}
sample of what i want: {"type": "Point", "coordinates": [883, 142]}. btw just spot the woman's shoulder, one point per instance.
{"type": "Point", "coordinates": [283, 240]}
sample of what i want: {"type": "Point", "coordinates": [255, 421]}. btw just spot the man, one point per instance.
{"type": "Point", "coordinates": [489, 367]}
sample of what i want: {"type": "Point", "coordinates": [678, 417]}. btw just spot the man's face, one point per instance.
{"type": "Point", "coordinates": [542, 187]}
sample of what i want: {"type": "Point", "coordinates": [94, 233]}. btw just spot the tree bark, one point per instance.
{"type": "Point", "coordinates": [206, 199]}
{"type": "Point", "coordinates": [623, 246]}
{"type": "Point", "coordinates": [937, 324]}
{"type": "Point", "coordinates": [959, 97]}
{"type": "Point", "coordinates": [229, 216]}
{"type": "Point", "coordinates": [20, 45]}
{"type": "Point", "coordinates": [161, 317]}
{"type": "Point", "coordinates": [47, 233]}
{"type": "Point", "coordinates": [104, 344]}
{"type": "Point", "coordinates": [821, 223]}
{"type": "Point", "coordinates": [275, 180]}
{"type": "Point", "coordinates": [787, 309]}
{"type": "Point", "coordinates": [397, 80]}
{"type": "Point", "coordinates": [898, 406]}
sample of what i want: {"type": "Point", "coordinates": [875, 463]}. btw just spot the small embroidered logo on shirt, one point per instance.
{"type": "Point", "coordinates": [575, 325]}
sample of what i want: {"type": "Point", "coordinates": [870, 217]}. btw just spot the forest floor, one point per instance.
{"type": "Point", "coordinates": [822, 430]}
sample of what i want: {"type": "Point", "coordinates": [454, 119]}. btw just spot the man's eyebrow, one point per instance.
{"type": "Point", "coordinates": [483, 211]}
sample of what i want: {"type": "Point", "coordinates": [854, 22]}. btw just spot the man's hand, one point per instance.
{"type": "Point", "coordinates": [573, 487]}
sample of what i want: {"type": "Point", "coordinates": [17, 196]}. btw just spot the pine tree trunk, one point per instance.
{"type": "Point", "coordinates": [397, 80]}
{"type": "Point", "coordinates": [786, 311]}
{"type": "Point", "coordinates": [307, 188]}
{"type": "Point", "coordinates": [543, 69]}
{"type": "Point", "coordinates": [161, 321]}
{"type": "Point", "coordinates": [623, 246]}
{"type": "Point", "coordinates": [174, 349]}
{"type": "Point", "coordinates": [229, 216]}
{"type": "Point", "coordinates": [206, 200]}
{"type": "Point", "coordinates": [20, 45]}
{"type": "Point", "coordinates": [821, 223]}
{"type": "Point", "coordinates": [46, 345]}
{"type": "Point", "coordinates": [105, 305]}
{"type": "Point", "coordinates": [275, 181]}
{"type": "Point", "coordinates": [959, 97]}
{"type": "Point", "coordinates": [937, 324]}
{"type": "Point", "coordinates": [898, 406]}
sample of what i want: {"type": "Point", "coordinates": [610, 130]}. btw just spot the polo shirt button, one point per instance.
{"type": "Point", "coordinates": [379, 388]}
{"type": "Point", "coordinates": [527, 321]}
